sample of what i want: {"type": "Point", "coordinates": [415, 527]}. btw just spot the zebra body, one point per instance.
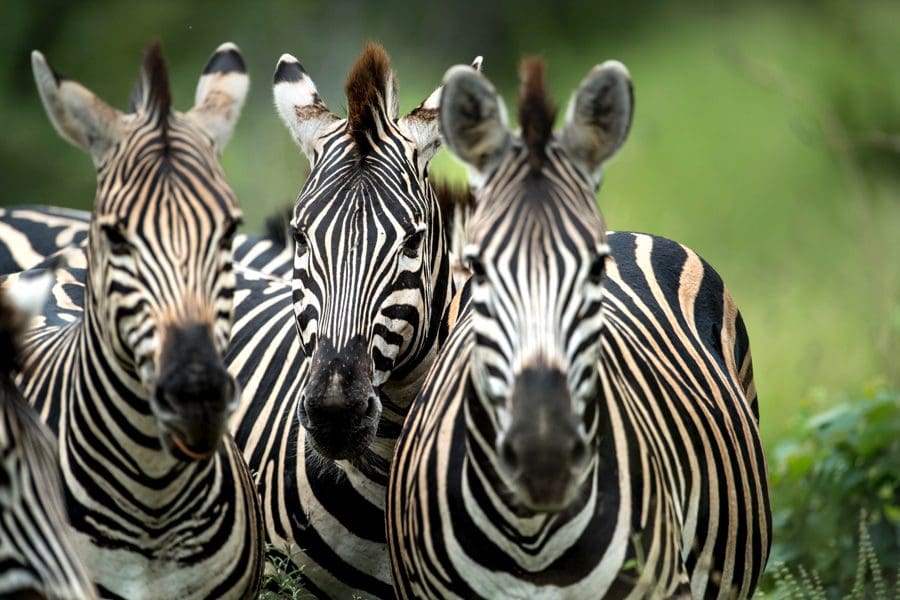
{"type": "Point", "coordinates": [126, 369]}
{"type": "Point", "coordinates": [36, 554]}
{"type": "Point", "coordinates": [590, 427]}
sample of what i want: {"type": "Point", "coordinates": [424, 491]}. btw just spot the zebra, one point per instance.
{"type": "Point", "coordinates": [160, 500]}
{"type": "Point", "coordinates": [327, 513]}
{"type": "Point", "coordinates": [362, 319]}
{"type": "Point", "coordinates": [590, 427]}
{"type": "Point", "coordinates": [36, 555]}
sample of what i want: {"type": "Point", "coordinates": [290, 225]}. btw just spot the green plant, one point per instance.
{"type": "Point", "coordinates": [845, 463]}
{"type": "Point", "coordinates": [282, 579]}
{"type": "Point", "coordinates": [868, 582]}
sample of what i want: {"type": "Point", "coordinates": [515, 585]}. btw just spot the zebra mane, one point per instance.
{"type": "Point", "coordinates": [370, 88]}
{"type": "Point", "coordinates": [151, 93]}
{"type": "Point", "coordinates": [536, 111]}
{"type": "Point", "coordinates": [452, 200]}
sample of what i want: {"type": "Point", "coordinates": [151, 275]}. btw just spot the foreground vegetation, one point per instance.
{"type": "Point", "coordinates": [842, 466]}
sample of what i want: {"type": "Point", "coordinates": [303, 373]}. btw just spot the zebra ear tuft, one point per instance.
{"type": "Point", "coordinates": [298, 104]}
{"type": "Point", "coordinates": [221, 92]}
{"type": "Point", "coordinates": [473, 119]}
{"type": "Point", "coordinates": [23, 297]}
{"type": "Point", "coordinates": [77, 114]}
{"type": "Point", "coordinates": [599, 116]}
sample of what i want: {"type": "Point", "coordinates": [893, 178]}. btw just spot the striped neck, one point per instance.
{"type": "Point", "coordinates": [110, 407]}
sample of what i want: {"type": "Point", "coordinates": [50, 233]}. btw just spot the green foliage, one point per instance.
{"type": "Point", "coordinates": [281, 580]}
{"type": "Point", "coordinates": [844, 462]}
{"type": "Point", "coordinates": [868, 581]}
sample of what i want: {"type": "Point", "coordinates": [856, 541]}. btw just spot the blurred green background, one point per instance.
{"type": "Point", "coordinates": [766, 137]}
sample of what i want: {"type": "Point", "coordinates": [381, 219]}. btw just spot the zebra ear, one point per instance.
{"type": "Point", "coordinates": [299, 105]}
{"type": "Point", "coordinates": [28, 292]}
{"type": "Point", "coordinates": [473, 120]}
{"type": "Point", "coordinates": [421, 124]}
{"type": "Point", "coordinates": [77, 114]}
{"type": "Point", "coordinates": [599, 116]}
{"type": "Point", "coordinates": [220, 94]}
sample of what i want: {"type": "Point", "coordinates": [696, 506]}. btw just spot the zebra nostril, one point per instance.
{"type": "Point", "coordinates": [579, 452]}
{"type": "Point", "coordinates": [372, 407]}
{"type": "Point", "coordinates": [164, 402]}
{"type": "Point", "coordinates": [509, 458]}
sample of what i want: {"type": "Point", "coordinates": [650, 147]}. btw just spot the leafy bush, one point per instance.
{"type": "Point", "coordinates": [845, 463]}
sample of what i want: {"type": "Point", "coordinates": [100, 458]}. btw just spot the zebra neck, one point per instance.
{"type": "Point", "coordinates": [109, 413]}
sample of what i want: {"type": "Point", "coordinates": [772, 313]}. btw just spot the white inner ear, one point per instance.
{"type": "Point", "coordinates": [219, 100]}
{"type": "Point", "coordinates": [298, 105]}
{"type": "Point", "coordinates": [77, 114]}
{"type": "Point", "coordinates": [598, 118]}
{"type": "Point", "coordinates": [479, 142]}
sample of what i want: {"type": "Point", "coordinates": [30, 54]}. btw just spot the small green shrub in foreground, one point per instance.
{"type": "Point", "coordinates": [845, 462]}
{"type": "Point", "coordinates": [281, 580]}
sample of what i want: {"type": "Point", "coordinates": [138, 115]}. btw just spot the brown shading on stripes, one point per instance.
{"type": "Point", "coordinates": [366, 90]}
{"type": "Point", "coordinates": [452, 197]}
{"type": "Point", "coordinates": [151, 93]}
{"type": "Point", "coordinates": [536, 111]}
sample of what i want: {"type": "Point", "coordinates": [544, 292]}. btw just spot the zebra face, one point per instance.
{"type": "Point", "coordinates": [537, 252]}
{"type": "Point", "coordinates": [370, 266]}
{"type": "Point", "coordinates": [359, 300]}
{"type": "Point", "coordinates": [159, 248]}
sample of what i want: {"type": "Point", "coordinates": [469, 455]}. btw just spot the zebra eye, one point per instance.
{"type": "Point", "coordinates": [118, 244]}
{"type": "Point", "coordinates": [477, 269]}
{"type": "Point", "coordinates": [300, 243]}
{"type": "Point", "coordinates": [412, 244]}
{"type": "Point", "coordinates": [597, 270]}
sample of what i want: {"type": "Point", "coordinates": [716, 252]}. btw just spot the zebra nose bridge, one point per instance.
{"type": "Point", "coordinates": [192, 381]}
{"type": "Point", "coordinates": [543, 433]}
{"type": "Point", "coordinates": [337, 371]}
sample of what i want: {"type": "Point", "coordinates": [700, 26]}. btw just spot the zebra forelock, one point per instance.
{"type": "Point", "coordinates": [371, 90]}
{"type": "Point", "coordinates": [536, 111]}
{"type": "Point", "coordinates": [151, 93]}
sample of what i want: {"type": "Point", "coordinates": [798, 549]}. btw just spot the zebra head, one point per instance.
{"type": "Point", "coordinates": [370, 266]}
{"type": "Point", "coordinates": [536, 245]}
{"type": "Point", "coordinates": [160, 278]}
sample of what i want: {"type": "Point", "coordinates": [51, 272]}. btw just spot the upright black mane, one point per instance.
{"type": "Point", "coordinates": [536, 111]}
{"type": "Point", "coordinates": [367, 93]}
{"type": "Point", "coordinates": [151, 93]}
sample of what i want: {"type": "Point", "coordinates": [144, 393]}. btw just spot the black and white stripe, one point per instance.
{"type": "Point", "coordinates": [161, 502]}
{"type": "Point", "coordinates": [372, 265]}
{"type": "Point", "coordinates": [590, 427]}
{"type": "Point", "coordinates": [36, 554]}
{"type": "Point", "coordinates": [370, 286]}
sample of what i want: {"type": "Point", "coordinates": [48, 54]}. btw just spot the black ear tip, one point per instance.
{"type": "Point", "coordinates": [288, 70]}
{"type": "Point", "coordinates": [227, 59]}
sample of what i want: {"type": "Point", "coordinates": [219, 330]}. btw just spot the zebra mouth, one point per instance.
{"type": "Point", "coordinates": [179, 448]}
{"type": "Point", "coordinates": [341, 444]}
